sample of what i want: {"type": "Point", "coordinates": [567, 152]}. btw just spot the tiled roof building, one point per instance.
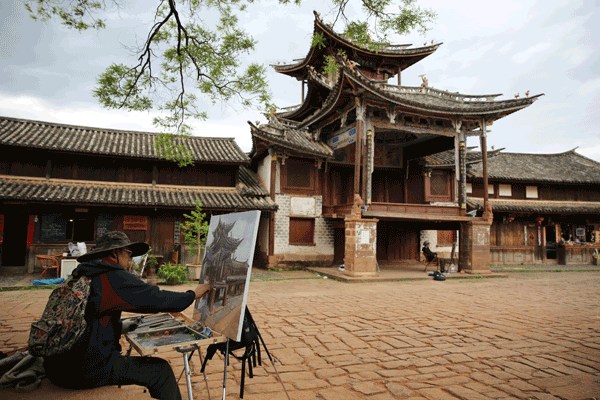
{"type": "Point", "coordinates": [64, 183]}
{"type": "Point", "coordinates": [350, 157]}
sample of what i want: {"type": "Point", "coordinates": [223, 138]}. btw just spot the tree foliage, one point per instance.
{"type": "Point", "coordinates": [382, 21]}
{"type": "Point", "coordinates": [195, 230]}
{"type": "Point", "coordinates": [194, 49]}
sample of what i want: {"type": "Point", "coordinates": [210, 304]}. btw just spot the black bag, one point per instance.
{"type": "Point", "coordinates": [249, 342]}
{"type": "Point", "coordinates": [438, 276]}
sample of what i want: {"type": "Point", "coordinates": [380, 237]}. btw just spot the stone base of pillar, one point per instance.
{"type": "Point", "coordinates": [360, 252]}
{"type": "Point", "coordinates": [474, 247]}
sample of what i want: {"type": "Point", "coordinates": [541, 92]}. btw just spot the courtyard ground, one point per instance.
{"type": "Point", "coordinates": [522, 335]}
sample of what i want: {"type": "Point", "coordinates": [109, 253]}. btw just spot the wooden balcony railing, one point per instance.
{"type": "Point", "coordinates": [401, 211]}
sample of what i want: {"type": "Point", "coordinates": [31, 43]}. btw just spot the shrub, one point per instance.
{"type": "Point", "coordinates": [173, 274]}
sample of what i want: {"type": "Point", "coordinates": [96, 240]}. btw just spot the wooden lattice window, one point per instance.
{"type": "Point", "coordinates": [439, 184]}
{"type": "Point", "coordinates": [302, 231]}
{"type": "Point", "coordinates": [299, 174]}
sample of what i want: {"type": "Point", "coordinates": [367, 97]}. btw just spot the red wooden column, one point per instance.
{"type": "Point", "coordinates": [483, 139]}
{"type": "Point", "coordinates": [360, 123]}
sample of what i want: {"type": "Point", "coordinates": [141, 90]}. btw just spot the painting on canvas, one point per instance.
{"type": "Point", "coordinates": [226, 266]}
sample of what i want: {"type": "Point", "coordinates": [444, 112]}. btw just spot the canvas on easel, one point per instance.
{"type": "Point", "coordinates": [226, 266]}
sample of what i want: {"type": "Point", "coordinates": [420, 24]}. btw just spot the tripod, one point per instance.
{"type": "Point", "coordinates": [250, 341]}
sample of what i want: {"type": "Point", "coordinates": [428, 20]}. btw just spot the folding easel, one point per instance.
{"type": "Point", "coordinates": [161, 322]}
{"type": "Point", "coordinates": [251, 343]}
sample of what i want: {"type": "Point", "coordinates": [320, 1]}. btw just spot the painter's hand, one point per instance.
{"type": "Point", "coordinates": [201, 290]}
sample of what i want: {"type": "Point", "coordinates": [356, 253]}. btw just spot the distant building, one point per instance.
{"type": "Point", "coordinates": [546, 207]}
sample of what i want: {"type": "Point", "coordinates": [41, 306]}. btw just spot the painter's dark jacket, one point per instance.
{"type": "Point", "coordinates": [113, 290]}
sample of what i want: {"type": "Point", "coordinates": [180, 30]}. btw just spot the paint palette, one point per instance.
{"type": "Point", "coordinates": [164, 332]}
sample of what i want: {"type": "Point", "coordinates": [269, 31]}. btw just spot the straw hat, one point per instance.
{"type": "Point", "coordinates": [111, 241]}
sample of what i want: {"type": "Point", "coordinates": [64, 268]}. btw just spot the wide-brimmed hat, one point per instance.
{"type": "Point", "coordinates": [111, 241]}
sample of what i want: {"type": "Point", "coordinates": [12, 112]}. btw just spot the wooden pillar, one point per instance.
{"type": "Point", "coordinates": [364, 163]}
{"type": "Point", "coordinates": [399, 73]}
{"type": "Point", "coordinates": [302, 95]}
{"type": "Point", "coordinates": [483, 140]}
{"type": "Point", "coordinates": [462, 156]}
{"type": "Point", "coordinates": [360, 122]}
{"type": "Point", "coordinates": [370, 161]}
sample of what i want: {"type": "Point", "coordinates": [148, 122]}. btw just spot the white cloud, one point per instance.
{"type": "Point", "coordinates": [530, 53]}
{"type": "Point", "coordinates": [489, 47]}
{"type": "Point", "coordinates": [28, 107]}
{"type": "Point", "coordinates": [592, 152]}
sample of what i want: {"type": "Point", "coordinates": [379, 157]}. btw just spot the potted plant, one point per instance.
{"type": "Point", "coordinates": [195, 231]}
{"type": "Point", "coordinates": [173, 274]}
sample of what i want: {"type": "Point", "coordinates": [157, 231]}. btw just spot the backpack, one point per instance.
{"type": "Point", "coordinates": [63, 320]}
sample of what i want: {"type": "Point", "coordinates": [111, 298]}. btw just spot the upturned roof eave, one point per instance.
{"type": "Point", "coordinates": [319, 149]}
{"type": "Point", "coordinates": [298, 69]}
{"type": "Point", "coordinates": [506, 106]}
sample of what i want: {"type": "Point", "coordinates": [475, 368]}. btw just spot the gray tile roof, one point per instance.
{"type": "Point", "coordinates": [81, 139]}
{"type": "Point", "coordinates": [403, 53]}
{"type": "Point", "coordinates": [250, 184]}
{"type": "Point", "coordinates": [567, 167]}
{"type": "Point", "coordinates": [538, 206]}
{"type": "Point", "coordinates": [64, 191]}
{"type": "Point", "coordinates": [277, 133]}
{"type": "Point", "coordinates": [441, 101]}
{"type": "Point", "coordinates": [428, 101]}
{"type": "Point", "coordinates": [446, 158]}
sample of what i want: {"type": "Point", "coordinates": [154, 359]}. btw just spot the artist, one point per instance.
{"type": "Point", "coordinates": [97, 360]}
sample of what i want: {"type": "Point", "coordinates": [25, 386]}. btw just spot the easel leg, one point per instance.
{"type": "Point", "coordinates": [226, 364]}
{"type": "Point", "coordinates": [272, 359]}
{"type": "Point", "coordinates": [188, 374]}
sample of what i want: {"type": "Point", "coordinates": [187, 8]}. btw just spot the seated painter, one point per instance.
{"type": "Point", "coordinates": [96, 360]}
{"type": "Point", "coordinates": [433, 256]}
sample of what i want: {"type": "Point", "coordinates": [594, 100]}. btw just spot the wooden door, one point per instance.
{"type": "Point", "coordinates": [396, 242]}
{"type": "Point", "coordinates": [339, 245]}
{"type": "Point", "coordinates": [162, 232]}
{"type": "Point", "coordinates": [14, 244]}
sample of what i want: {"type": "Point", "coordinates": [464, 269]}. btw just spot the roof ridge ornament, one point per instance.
{"type": "Point", "coordinates": [424, 82]}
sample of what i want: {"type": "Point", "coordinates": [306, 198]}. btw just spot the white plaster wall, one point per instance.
{"type": "Point", "coordinates": [264, 172]}
{"type": "Point", "coordinates": [323, 228]}
{"type": "Point", "coordinates": [431, 235]}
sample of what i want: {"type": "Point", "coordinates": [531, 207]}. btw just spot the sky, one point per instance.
{"type": "Point", "coordinates": [489, 47]}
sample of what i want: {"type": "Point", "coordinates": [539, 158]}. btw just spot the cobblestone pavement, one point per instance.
{"type": "Point", "coordinates": [526, 336]}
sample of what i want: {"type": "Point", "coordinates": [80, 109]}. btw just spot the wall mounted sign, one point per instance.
{"type": "Point", "coordinates": [342, 139]}
{"type": "Point", "coordinates": [135, 223]}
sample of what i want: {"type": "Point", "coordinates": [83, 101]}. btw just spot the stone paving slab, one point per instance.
{"type": "Point", "coordinates": [526, 336]}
